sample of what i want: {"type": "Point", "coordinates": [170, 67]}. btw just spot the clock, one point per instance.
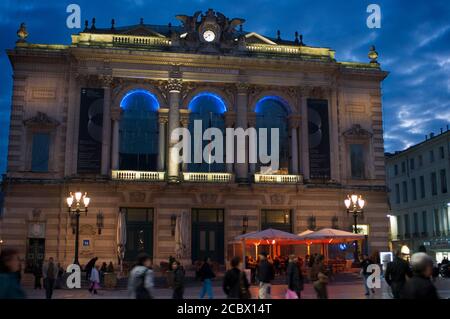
{"type": "Point", "coordinates": [209, 36]}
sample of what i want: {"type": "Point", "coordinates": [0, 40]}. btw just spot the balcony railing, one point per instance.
{"type": "Point", "coordinates": [278, 179]}
{"type": "Point", "coordinates": [209, 177]}
{"type": "Point", "coordinates": [138, 176]}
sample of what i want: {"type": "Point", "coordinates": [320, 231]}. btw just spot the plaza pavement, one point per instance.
{"type": "Point", "coordinates": [347, 287]}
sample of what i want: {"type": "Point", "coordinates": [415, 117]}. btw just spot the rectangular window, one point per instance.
{"type": "Point", "coordinates": [424, 223]}
{"type": "Point", "coordinates": [411, 163]}
{"type": "Point", "coordinates": [441, 152]}
{"type": "Point", "coordinates": [405, 192]}
{"type": "Point", "coordinates": [407, 233]}
{"type": "Point", "coordinates": [422, 187]}
{"type": "Point", "coordinates": [357, 160]}
{"type": "Point", "coordinates": [403, 167]}
{"type": "Point", "coordinates": [416, 224]}
{"type": "Point", "coordinates": [431, 156]}
{"type": "Point", "coordinates": [40, 152]}
{"type": "Point", "coordinates": [420, 160]}
{"type": "Point", "coordinates": [395, 169]}
{"type": "Point", "coordinates": [397, 193]}
{"type": "Point", "coordinates": [437, 230]}
{"type": "Point", "coordinates": [433, 183]}
{"type": "Point", "coordinates": [414, 189]}
{"type": "Point", "coordinates": [443, 175]}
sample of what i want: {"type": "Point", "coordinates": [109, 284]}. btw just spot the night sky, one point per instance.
{"type": "Point", "coordinates": [413, 43]}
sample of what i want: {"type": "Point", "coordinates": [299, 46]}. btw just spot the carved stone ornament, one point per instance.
{"type": "Point", "coordinates": [357, 132]}
{"type": "Point", "coordinates": [137, 197]}
{"type": "Point", "coordinates": [106, 80]}
{"type": "Point", "coordinates": [41, 120]}
{"type": "Point", "coordinates": [208, 198]}
{"type": "Point", "coordinates": [174, 85]}
{"type": "Point", "coordinates": [87, 230]}
{"type": "Point", "coordinates": [277, 199]}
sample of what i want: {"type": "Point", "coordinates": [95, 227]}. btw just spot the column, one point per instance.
{"type": "Point", "coordinates": [185, 124]}
{"type": "Point", "coordinates": [293, 126]}
{"type": "Point", "coordinates": [115, 116]}
{"type": "Point", "coordinates": [162, 120]}
{"type": "Point", "coordinates": [251, 116]}
{"type": "Point", "coordinates": [230, 118]}
{"type": "Point", "coordinates": [304, 136]}
{"type": "Point", "coordinates": [174, 89]}
{"type": "Point", "coordinates": [334, 134]}
{"type": "Point", "coordinates": [241, 121]}
{"type": "Point", "coordinates": [106, 131]}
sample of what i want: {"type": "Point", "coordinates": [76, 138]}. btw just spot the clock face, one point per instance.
{"type": "Point", "coordinates": [209, 36]}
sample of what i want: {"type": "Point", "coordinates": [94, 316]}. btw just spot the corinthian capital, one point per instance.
{"type": "Point", "coordinates": [174, 85]}
{"type": "Point", "coordinates": [242, 87]}
{"type": "Point", "coordinates": [106, 80]}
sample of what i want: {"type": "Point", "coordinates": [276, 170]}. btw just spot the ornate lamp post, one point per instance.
{"type": "Point", "coordinates": [77, 203]}
{"type": "Point", "coordinates": [355, 206]}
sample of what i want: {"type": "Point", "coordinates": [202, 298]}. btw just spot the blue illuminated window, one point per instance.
{"type": "Point", "coordinates": [272, 112]}
{"type": "Point", "coordinates": [139, 131]}
{"type": "Point", "coordinates": [208, 108]}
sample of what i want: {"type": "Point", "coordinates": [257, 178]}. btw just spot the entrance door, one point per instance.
{"type": "Point", "coordinates": [35, 253]}
{"type": "Point", "coordinates": [208, 234]}
{"type": "Point", "coordinates": [139, 232]}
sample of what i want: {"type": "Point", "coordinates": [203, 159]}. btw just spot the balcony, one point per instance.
{"type": "Point", "coordinates": [208, 177]}
{"type": "Point", "coordinates": [278, 179]}
{"type": "Point", "coordinates": [138, 176]}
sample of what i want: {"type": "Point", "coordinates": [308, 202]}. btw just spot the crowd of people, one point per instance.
{"type": "Point", "coordinates": [411, 279]}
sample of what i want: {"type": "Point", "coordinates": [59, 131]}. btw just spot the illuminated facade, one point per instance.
{"type": "Point", "coordinates": [96, 115]}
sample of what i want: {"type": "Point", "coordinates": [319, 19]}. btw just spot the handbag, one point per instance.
{"type": "Point", "coordinates": [290, 294]}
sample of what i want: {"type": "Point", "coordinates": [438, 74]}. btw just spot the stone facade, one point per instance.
{"type": "Point", "coordinates": [46, 97]}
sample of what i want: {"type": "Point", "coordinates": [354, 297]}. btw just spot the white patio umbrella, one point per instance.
{"type": "Point", "coordinates": [121, 236]}
{"type": "Point", "coordinates": [181, 235]}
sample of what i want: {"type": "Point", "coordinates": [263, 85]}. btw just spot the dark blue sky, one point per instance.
{"type": "Point", "coordinates": [413, 43]}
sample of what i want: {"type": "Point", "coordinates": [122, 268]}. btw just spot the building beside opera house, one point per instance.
{"type": "Point", "coordinates": [95, 116]}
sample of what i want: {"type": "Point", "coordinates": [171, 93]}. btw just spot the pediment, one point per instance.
{"type": "Point", "coordinates": [357, 132]}
{"type": "Point", "coordinates": [41, 120]}
{"type": "Point", "coordinates": [143, 31]}
{"type": "Point", "coordinates": [254, 37]}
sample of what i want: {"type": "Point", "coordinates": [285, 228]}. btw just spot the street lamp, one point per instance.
{"type": "Point", "coordinates": [77, 203]}
{"type": "Point", "coordinates": [355, 206]}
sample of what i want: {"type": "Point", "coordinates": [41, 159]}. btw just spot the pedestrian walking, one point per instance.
{"type": "Point", "coordinates": [319, 278]}
{"type": "Point", "coordinates": [294, 277]}
{"type": "Point", "coordinates": [140, 281]}
{"type": "Point", "coordinates": [49, 273]}
{"type": "Point", "coordinates": [396, 273]}
{"type": "Point", "coordinates": [10, 287]}
{"type": "Point", "coordinates": [266, 274]}
{"type": "Point", "coordinates": [94, 279]}
{"type": "Point", "coordinates": [37, 273]}
{"type": "Point", "coordinates": [420, 285]}
{"type": "Point", "coordinates": [89, 266]}
{"type": "Point", "coordinates": [206, 274]}
{"type": "Point", "coordinates": [235, 284]}
{"type": "Point", "coordinates": [366, 261]}
{"type": "Point", "coordinates": [178, 280]}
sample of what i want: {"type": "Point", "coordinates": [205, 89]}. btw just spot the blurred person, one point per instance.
{"type": "Point", "coordinates": [265, 275]}
{"type": "Point", "coordinates": [89, 266]}
{"type": "Point", "coordinates": [37, 273]}
{"type": "Point", "coordinates": [59, 277]}
{"type": "Point", "coordinates": [294, 276]}
{"type": "Point", "coordinates": [365, 262]}
{"type": "Point", "coordinates": [319, 277]}
{"type": "Point", "coordinates": [235, 283]}
{"type": "Point", "coordinates": [178, 280]}
{"type": "Point", "coordinates": [49, 273]}
{"type": "Point", "coordinates": [110, 268]}
{"type": "Point", "coordinates": [140, 281]}
{"type": "Point", "coordinates": [10, 287]}
{"type": "Point", "coordinates": [206, 274]}
{"type": "Point", "coordinates": [396, 273]}
{"type": "Point", "coordinates": [420, 285]}
{"type": "Point", "coordinates": [94, 279]}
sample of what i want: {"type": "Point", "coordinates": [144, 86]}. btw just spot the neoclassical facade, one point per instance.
{"type": "Point", "coordinates": [96, 116]}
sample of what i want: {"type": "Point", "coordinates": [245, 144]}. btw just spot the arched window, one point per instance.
{"type": "Point", "coordinates": [139, 131]}
{"type": "Point", "coordinates": [272, 112]}
{"type": "Point", "coordinates": [209, 108]}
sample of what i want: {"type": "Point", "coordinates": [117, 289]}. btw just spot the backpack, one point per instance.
{"type": "Point", "coordinates": [141, 291]}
